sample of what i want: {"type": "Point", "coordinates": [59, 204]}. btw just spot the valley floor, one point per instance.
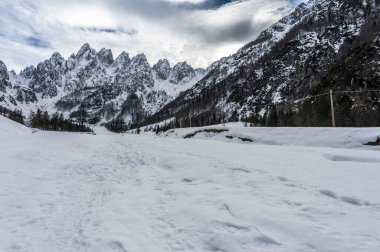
{"type": "Point", "coordinates": [106, 192]}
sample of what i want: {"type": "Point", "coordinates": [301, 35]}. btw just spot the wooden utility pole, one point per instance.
{"type": "Point", "coordinates": [332, 108]}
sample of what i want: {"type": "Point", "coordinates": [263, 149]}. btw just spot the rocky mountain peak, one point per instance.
{"type": "Point", "coordinates": [122, 61]}
{"type": "Point", "coordinates": [139, 57]}
{"type": "Point", "coordinates": [27, 72]}
{"type": "Point", "coordinates": [85, 51]}
{"type": "Point", "coordinates": [94, 82]}
{"type": "Point", "coordinates": [182, 71]}
{"type": "Point", "coordinates": [56, 59]}
{"type": "Point", "coordinates": [162, 69]}
{"type": "Point", "coordinates": [3, 68]}
{"type": "Point", "coordinates": [4, 77]}
{"type": "Point", "coordinates": [105, 56]}
{"type": "Point", "coordinates": [56, 55]}
{"type": "Point", "coordinates": [140, 61]}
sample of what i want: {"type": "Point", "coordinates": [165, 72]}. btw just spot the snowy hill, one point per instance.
{"type": "Point", "coordinates": [9, 127]}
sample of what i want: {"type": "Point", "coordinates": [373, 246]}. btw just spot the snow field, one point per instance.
{"type": "Point", "coordinates": [108, 192]}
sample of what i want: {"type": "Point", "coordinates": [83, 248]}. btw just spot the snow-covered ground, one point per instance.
{"type": "Point", "coordinates": [317, 137]}
{"type": "Point", "coordinates": [108, 192]}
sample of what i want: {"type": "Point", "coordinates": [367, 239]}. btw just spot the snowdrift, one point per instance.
{"type": "Point", "coordinates": [8, 126]}
{"type": "Point", "coordinates": [318, 137]}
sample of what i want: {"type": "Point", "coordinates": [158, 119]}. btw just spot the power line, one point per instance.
{"type": "Point", "coordinates": [359, 91]}
{"type": "Point", "coordinates": [328, 93]}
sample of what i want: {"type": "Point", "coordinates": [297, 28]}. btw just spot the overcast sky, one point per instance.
{"type": "Point", "coordinates": [198, 31]}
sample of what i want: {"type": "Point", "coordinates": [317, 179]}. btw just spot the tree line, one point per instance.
{"type": "Point", "coordinates": [56, 122]}
{"type": "Point", "coordinates": [15, 115]}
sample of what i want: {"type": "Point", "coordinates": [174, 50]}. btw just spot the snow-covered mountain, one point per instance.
{"type": "Point", "coordinates": [321, 45]}
{"type": "Point", "coordinates": [96, 87]}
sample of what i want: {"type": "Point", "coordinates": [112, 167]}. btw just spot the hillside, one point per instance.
{"type": "Point", "coordinates": [283, 77]}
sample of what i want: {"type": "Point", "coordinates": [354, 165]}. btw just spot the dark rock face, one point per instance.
{"type": "Point", "coordinates": [182, 71]}
{"type": "Point", "coordinates": [12, 100]}
{"type": "Point", "coordinates": [47, 77]}
{"type": "Point", "coordinates": [85, 52]}
{"type": "Point", "coordinates": [105, 56]}
{"type": "Point", "coordinates": [162, 69]}
{"type": "Point", "coordinates": [122, 61]}
{"type": "Point", "coordinates": [4, 78]}
{"type": "Point", "coordinates": [27, 73]}
{"type": "Point", "coordinates": [25, 95]}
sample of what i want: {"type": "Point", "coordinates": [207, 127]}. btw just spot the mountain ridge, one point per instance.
{"type": "Point", "coordinates": [95, 83]}
{"type": "Point", "coordinates": [269, 81]}
{"type": "Point", "coordinates": [287, 63]}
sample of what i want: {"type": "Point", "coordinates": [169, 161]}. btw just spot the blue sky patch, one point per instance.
{"type": "Point", "coordinates": [208, 4]}
{"type": "Point", "coordinates": [36, 42]}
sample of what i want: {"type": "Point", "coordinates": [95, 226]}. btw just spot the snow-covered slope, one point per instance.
{"type": "Point", "coordinates": [321, 45]}
{"type": "Point", "coordinates": [94, 86]}
{"type": "Point", "coordinates": [9, 127]}
{"type": "Point", "coordinates": [72, 192]}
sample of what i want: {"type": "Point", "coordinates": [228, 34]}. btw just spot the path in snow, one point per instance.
{"type": "Point", "coordinates": [75, 192]}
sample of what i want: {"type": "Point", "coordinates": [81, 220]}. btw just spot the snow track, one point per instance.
{"type": "Point", "coordinates": [77, 192]}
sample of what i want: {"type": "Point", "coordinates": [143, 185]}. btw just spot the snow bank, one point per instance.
{"type": "Point", "coordinates": [8, 126]}
{"type": "Point", "coordinates": [318, 137]}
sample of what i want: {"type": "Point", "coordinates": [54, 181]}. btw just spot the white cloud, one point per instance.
{"type": "Point", "coordinates": [87, 16]}
{"type": "Point", "coordinates": [30, 31]}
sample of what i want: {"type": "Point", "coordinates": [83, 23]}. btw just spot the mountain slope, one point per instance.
{"type": "Point", "coordinates": [93, 87]}
{"type": "Point", "coordinates": [287, 63]}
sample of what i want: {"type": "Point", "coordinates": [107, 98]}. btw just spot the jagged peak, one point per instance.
{"type": "Point", "coordinates": [162, 63]}
{"type": "Point", "coordinates": [139, 56]}
{"type": "Point", "coordinates": [29, 68]}
{"type": "Point", "coordinates": [4, 77]}
{"type": "Point", "coordinates": [162, 69]}
{"type": "Point", "coordinates": [105, 51]}
{"type": "Point", "coordinates": [181, 65]}
{"type": "Point", "coordinates": [85, 48]}
{"type": "Point", "coordinates": [56, 55]}
{"type": "Point", "coordinates": [140, 59]}
{"type": "Point", "coordinates": [105, 56]}
{"type": "Point", "coordinates": [123, 55]}
{"type": "Point", "coordinates": [122, 58]}
{"type": "Point", "coordinates": [56, 59]}
{"type": "Point", "coordinates": [72, 56]}
{"type": "Point", "coordinates": [2, 66]}
{"type": "Point", "coordinates": [122, 61]}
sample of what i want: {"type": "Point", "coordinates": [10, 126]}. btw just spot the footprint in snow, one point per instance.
{"type": "Point", "coordinates": [349, 200]}
{"type": "Point", "coordinates": [116, 246]}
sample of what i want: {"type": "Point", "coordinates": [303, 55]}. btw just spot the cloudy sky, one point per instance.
{"type": "Point", "coordinates": [198, 31]}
